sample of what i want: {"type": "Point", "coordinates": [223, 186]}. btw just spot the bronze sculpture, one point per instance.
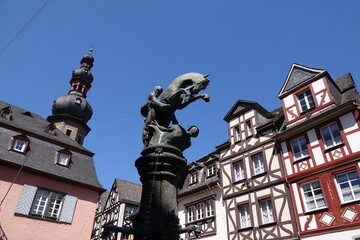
{"type": "Point", "coordinates": [162, 166]}
{"type": "Point", "coordinates": [160, 113]}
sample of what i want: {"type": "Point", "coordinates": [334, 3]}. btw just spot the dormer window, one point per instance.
{"type": "Point", "coordinates": [20, 144]}
{"type": "Point", "coordinates": [51, 129]}
{"type": "Point", "coordinates": [6, 113]}
{"type": "Point", "coordinates": [306, 100]}
{"type": "Point", "coordinates": [63, 158]}
{"type": "Point", "coordinates": [211, 170]}
{"type": "Point", "coordinates": [193, 177]}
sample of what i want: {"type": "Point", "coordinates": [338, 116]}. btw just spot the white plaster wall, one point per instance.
{"type": "Point", "coordinates": [288, 101]}
{"type": "Point", "coordinates": [312, 137]}
{"type": "Point", "coordinates": [221, 220]}
{"type": "Point", "coordinates": [345, 235]}
{"type": "Point", "coordinates": [318, 85]}
{"type": "Point", "coordinates": [348, 122]}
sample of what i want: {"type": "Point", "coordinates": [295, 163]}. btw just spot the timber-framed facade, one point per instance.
{"type": "Point", "coordinates": [254, 189]}
{"type": "Point", "coordinates": [321, 152]}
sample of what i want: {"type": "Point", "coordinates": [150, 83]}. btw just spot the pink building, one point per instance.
{"type": "Point", "coordinates": [48, 182]}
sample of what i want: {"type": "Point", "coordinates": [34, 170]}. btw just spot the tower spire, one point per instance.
{"type": "Point", "coordinates": [71, 112]}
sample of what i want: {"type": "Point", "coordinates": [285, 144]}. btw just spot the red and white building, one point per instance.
{"type": "Point", "coordinates": [320, 145]}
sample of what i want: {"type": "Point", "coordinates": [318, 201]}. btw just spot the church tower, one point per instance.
{"type": "Point", "coordinates": [71, 112]}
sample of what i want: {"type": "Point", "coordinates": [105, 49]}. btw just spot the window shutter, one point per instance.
{"type": "Point", "coordinates": [25, 201]}
{"type": "Point", "coordinates": [68, 209]}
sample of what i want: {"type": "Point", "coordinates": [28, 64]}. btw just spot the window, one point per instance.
{"type": "Point", "coordinates": [200, 211]}
{"type": "Point", "coordinates": [44, 203]}
{"type": "Point", "coordinates": [331, 135]}
{"type": "Point", "coordinates": [193, 177]}
{"type": "Point", "coordinates": [6, 113]}
{"type": "Point", "coordinates": [239, 172]}
{"type": "Point", "coordinates": [258, 162]}
{"type": "Point", "coordinates": [245, 216]}
{"type": "Point", "coordinates": [237, 134]}
{"type": "Point", "coordinates": [191, 216]}
{"type": "Point", "coordinates": [64, 159]}
{"type": "Point", "coordinates": [128, 210]}
{"type": "Point", "coordinates": [68, 132]}
{"type": "Point", "coordinates": [51, 129]}
{"type": "Point", "coordinates": [209, 208]}
{"type": "Point", "coordinates": [348, 184]}
{"type": "Point", "coordinates": [20, 143]}
{"type": "Point", "coordinates": [267, 214]}
{"type": "Point", "coordinates": [248, 128]}
{"type": "Point", "coordinates": [313, 195]}
{"type": "Point", "coordinates": [306, 100]}
{"type": "Point", "coordinates": [299, 148]}
{"type": "Point", "coordinates": [211, 170]}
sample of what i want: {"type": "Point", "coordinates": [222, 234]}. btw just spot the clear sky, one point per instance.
{"type": "Point", "coordinates": [247, 47]}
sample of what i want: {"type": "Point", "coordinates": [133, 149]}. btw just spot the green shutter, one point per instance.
{"type": "Point", "coordinates": [25, 201]}
{"type": "Point", "coordinates": [68, 209]}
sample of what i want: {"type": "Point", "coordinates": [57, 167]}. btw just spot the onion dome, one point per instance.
{"type": "Point", "coordinates": [83, 73]}
{"type": "Point", "coordinates": [73, 105]}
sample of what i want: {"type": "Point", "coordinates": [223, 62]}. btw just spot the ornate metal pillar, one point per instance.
{"type": "Point", "coordinates": [162, 171]}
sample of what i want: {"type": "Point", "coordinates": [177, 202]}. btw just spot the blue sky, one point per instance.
{"type": "Point", "coordinates": [247, 47]}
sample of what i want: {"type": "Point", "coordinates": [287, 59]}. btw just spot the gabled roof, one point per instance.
{"type": "Point", "coordinates": [128, 191]}
{"type": "Point", "coordinates": [242, 106]}
{"type": "Point", "coordinates": [297, 76]}
{"type": "Point", "coordinates": [204, 182]}
{"type": "Point", "coordinates": [43, 149]}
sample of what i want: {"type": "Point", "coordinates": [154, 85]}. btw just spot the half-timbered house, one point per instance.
{"type": "Point", "coordinates": [200, 199]}
{"type": "Point", "coordinates": [115, 208]}
{"type": "Point", "coordinates": [256, 196]}
{"type": "Point", "coordinates": [320, 150]}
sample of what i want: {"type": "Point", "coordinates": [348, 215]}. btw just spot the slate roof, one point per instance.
{"type": "Point", "coordinates": [128, 191]}
{"type": "Point", "coordinates": [263, 117]}
{"type": "Point", "coordinates": [43, 149]}
{"type": "Point", "coordinates": [298, 75]}
{"type": "Point", "coordinates": [203, 182]}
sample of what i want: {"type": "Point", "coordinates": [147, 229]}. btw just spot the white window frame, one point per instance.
{"type": "Point", "coordinates": [332, 129]}
{"type": "Point", "coordinates": [237, 134]}
{"type": "Point", "coordinates": [249, 128]}
{"type": "Point", "coordinates": [313, 198]}
{"type": "Point", "coordinates": [64, 159]}
{"type": "Point", "coordinates": [200, 211]}
{"type": "Point", "coordinates": [267, 211]}
{"type": "Point", "coordinates": [239, 171]}
{"type": "Point", "coordinates": [245, 216]}
{"type": "Point", "coordinates": [20, 143]}
{"type": "Point", "coordinates": [307, 101]}
{"type": "Point", "coordinates": [301, 144]}
{"type": "Point", "coordinates": [209, 204]}
{"type": "Point", "coordinates": [193, 177]}
{"type": "Point", "coordinates": [258, 163]}
{"type": "Point", "coordinates": [350, 182]}
{"type": "Point", "coordinates": [191, 214]}
{"type": "Point", "coordinates": [211, 170]}
{"type": "Point", "coordinates": [47, 204]}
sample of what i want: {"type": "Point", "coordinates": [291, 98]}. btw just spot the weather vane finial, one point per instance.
{"type": "Point", "coordinates": [91, 48]}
